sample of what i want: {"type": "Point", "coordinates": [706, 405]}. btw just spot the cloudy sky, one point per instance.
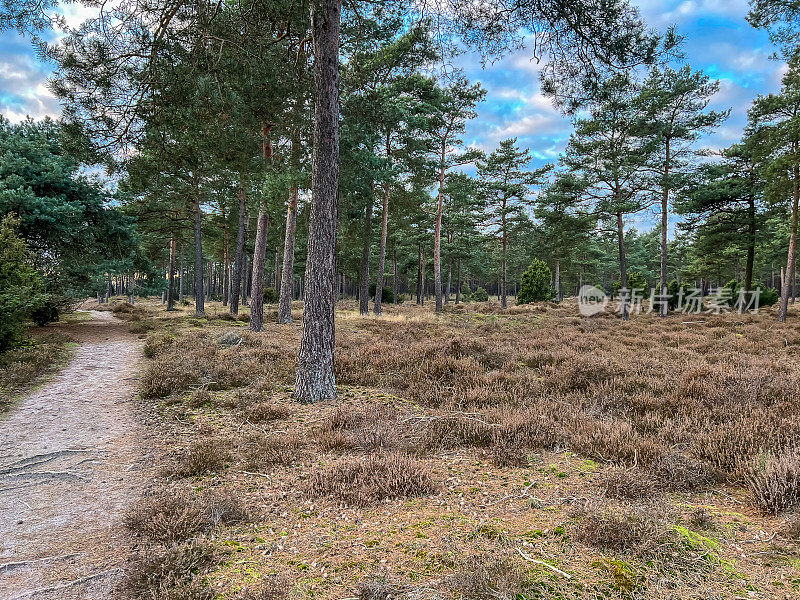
{"type": "Point", "coordinates": [718, 40]}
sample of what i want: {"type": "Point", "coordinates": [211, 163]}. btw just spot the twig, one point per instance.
{"type": "Point", "coordinates": [14, 565]}
{"type": "Point", "coordinates": [544, 564]}
{"type": "Point", "coordinates": [511, 496]}
{"type": "Point", "coordinates": [62, 586]}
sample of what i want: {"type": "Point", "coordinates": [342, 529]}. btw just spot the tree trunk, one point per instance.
{"type": "Point", "coordinates": [419, 274]}
{"type": "Point", "coordinates": [236, 286]}
{"type": "Point", "coordinates": [199, 291]}
{"type": "Point", "coordinates": [394, 275]}
{"type": "Point", "coordinates": [363, 295]}
{"type": "Point", "coordinates": [623, 266]}
{"type": "Point", "coordinates": [786, 283]}
{"type": "Point", "coordinates": [285, 306]}
{"type": "Point", "coordinates": [180, 277]}
{"type": "Point", "coordinates": [504, 270]}
{"type": "Point", "coordinates": [751, 243]}
{"type": "Point", "coordinates": [382, 251]}
{"type": "Point", "coordinates": [664, 226]}
{"type": "Point", "coordinates": [449, 281]}
{"type": "Point", "coordinates": [171, 288]}
{"type": "Point", "coordinates": [259, 255]}
{"type": "Point", "coordinates": [558, 280]}
{"type": "Point", "coordinates": [458, 282]}
{"type": "Point", "coordinates": [315, 377]}
{"type": "Point", "coordinates": [437, 236]}
{"type": "Point", "coordinates": [226, 259]}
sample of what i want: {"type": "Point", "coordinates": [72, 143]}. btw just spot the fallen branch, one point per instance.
{"type": "Point", "coordinates": [544, 564]}
{"type": "Point", "coordinates": [14, 565]}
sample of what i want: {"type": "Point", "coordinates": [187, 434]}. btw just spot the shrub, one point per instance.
{"type": "Point", "coordinates": [164, 517]}
{"type": "Point", "coordinates": [269, 588]}
{"type": "Point", "coordinates": [480, 295]}
{"type": "Point", "coordinates": [674, 290]}
{"type": "Point", "coordinates": [268, 451]}
{"type": "Point", "coordinates": [401, 298]}
{"type": "Point", "coordinates": [768, 296]}
{"type": "Point", "coordinates": [775, 481]}
{"type": "Point", "coordinates": [173, 573]}
{"type": "Point", "coordinates": [466, 293]}
{"type": "Point", "coordinates": [636, 281]}
{"type": "Point", "coordinates": [270, 295]}
{"type": "Point", "coordinates": [20, 285]}
{"type": "Point", "coordinates": [628, 529]}
{"type": "Point", "coordinates": [387, 296]}
{"type": "Point", "coordinates": [369, 429]}
{"type": "Point", "coordinates": [535, 286]}
{"type": "Point", "coordinates": [630, 484]}
{"type": "Point", "coordinates": [367, 480]}
{"type": "Point", "coordinates": [681, 473]}
{"type": "Point", "coordinates": [265, 411]}
{"type": "Point", "coordinates": [223, 506]}
{"type": "Point", "coordinates": [206, 455]}
{"type": "Point", "coordinates": [46, 311]}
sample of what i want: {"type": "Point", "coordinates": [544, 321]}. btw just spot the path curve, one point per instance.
{"type": "Point", "coordinates": [70, 463]}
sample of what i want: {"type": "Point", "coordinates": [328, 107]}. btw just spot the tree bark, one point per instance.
{"type": "Point", "coordinates": [751, 243]}
{"type": "Point", "coordinates": [382, 250]}
{"type": "Point", "coordinates": [623, 265]}
{"type": "Point", "coordinates": [504, 272]}
{"type": "Point", "coordinates": [458, 282]}
{"type": "Point", "coordinates": [449, 281]}
{"type": "Point", "coordinates": [786, 284]}
{"type": "Point", "coordinates": [285, 306]}
{"type": "Point", "coordinates": [664, 226]}
{"type": "Point", "coordinates": [180, 277]}
{"type": "Point", "coordinates": [437, 235]}
{"type": "Point", "coordinates": [171, 284]}
{"type": "Point", "coordinates": [558, 280]}
{"type": "Point", "coordinates": [259, 255]}
{"type": "Point", "coordinates": [199, 291]}
{"type": "Point", "coordinates": [315, 376]}
{"type": "Point", "coordinates": [236, 286]}
{"type": "Point", "coordinates": [363, 295]}
{"type": "Point", "coordinates": [394, 275]}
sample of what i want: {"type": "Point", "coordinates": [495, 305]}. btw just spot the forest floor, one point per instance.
{"type": "Point", "coordinates": [72, 458]}
{"type": "Point", "coordinates": [478, 454]}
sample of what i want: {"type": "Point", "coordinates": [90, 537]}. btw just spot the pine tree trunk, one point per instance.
{"type": "Point", "coordinates": [504, 271]}
{"type": "Point", "coordinates": [285, 306]}
{"type": "Point", "coordinates": [751, 243]}
{"type": "Point", "coordinates": [664, 226]}
{"type": "Point", "coordinates": [437, 236]}
{"type": "Point", "coordinates": [180, 277]}
{"type": "Point", "coordinates": [623, 265]}
{"type": "Point", "coordinates": [449, 281]}
{"type": "Point", "coordinates": [171, 285]}
{"type": "Point", "coordinates": [259, 255]}
{"type": "Point", "coordinates": [315, 376]}
{"type": "Point", "coordinates": [199, 291]}
{"type": "Point", "coordinates": [236, 285]}
{"type": "Point", "coordinates": [419, 274]}
{"type": "Point", "coordinates": [558, 280]}
{"type": "Point", "coordinates": [786, 283]}
{"type": "Point", "coordinates": [458, 282]}
{"type": "Point", "coordinates": [394, 275]}
{"type": "Point", "coordinates": [363, 295]}
{"type": "Point", "coordinates": [382, 251]}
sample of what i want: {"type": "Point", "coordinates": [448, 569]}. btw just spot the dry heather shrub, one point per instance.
{"type": "Point", "coordinates": [269, 588]}
{"type": "Point", "coordinates": [636, 529]}
{"type": "Point", "coordinates": [630, 484]}
{"type": "Point", "coordinates": [261, 412]}
{"type": "Point", "coordinates": [362, 481]}
{"type": "Point", "coordinates": [368, 429]}
{"type": "Point", "coordinates": [505, 453]}
{"type": "Point", "coordinates": [267, 451]}
{"type": "Point", "coordinates": [490, 578]}
{"type": "Point", "coordinates": [457, 431]}
{"type": "Point", "coordinates": [165, 517]}
{"type": "Point", "coordinates": [207, 455]}
{"type": "Point", "coordinates": [377, 588]}
{"type": "Point", "coordinates": [173, 573]}
{"type": "Point", "coordinates": [615, 441]}
{"type": "Point", "coordinates": [166, 374]}
{"type": "Point", "coordinates": [682, 473]}
{"type": "Point", "coordinates": [701, 519]}
{"type": "Point", "coordinates": [775, 481]}
{"type": "Point", "coordinates": [791, 528]}
{"type": "Point", "coordinates": [223, 506]}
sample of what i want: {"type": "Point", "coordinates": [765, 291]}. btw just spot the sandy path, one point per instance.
{"type": "Point", "coordinates": [70, 463]}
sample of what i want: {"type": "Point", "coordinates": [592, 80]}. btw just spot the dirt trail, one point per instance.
{"type": "Point", "coordinates": [71, 460]}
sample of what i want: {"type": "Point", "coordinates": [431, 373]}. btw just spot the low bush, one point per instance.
{"type": "Point", "coordinates": [480, 295]}
{"type": "Point", "coordinates": [171, 573]}
{"type": "Point", "coordinates": [626, 529]}
{"type": "Point", "coordinates": [630, 484]}
{"type": "Point", "coordinates": [387, 297]}
{"type": "Point", "coordinates": [363, 481]}
{"type": "Point", "coordinates": [262, 412]}
{"type": "Point", "coordinates": [207, 455]}
{"type": "Point", "coordinates": [270, 295]}
{"type": "Point", "coordinates": [535, 286]}
{"type": "Point", "coordinates": [167, 516]}
{"type": "Point", "coordinates": [367, 429]}
{"type": "Point", "coordinates": [223, 507]}
{"type": "Point", "coordinates": [265, 452]}
{"type": "Point", "coordinates": [774, 481]}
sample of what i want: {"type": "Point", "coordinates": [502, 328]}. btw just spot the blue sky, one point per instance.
{"type": "Point", "coordinates": [718, 40]}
